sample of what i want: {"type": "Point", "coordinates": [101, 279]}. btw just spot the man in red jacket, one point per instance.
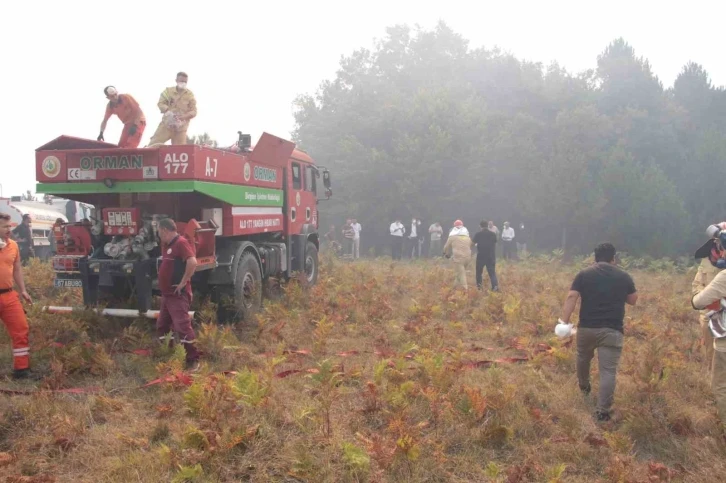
{"type": "Point", "coordinates": [178, 264]}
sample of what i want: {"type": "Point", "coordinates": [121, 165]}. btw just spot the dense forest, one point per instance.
{"type": "Point", "coordinates": [424, 125]}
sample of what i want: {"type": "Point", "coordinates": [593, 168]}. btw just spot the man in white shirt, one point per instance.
{"type": "Point", "coordinates": [508, 241]}
{"type": "Point", "coordinates": [397, 231]}
{"type": "Point", "coordinates": [435, 231]}
{"type": "Point", "coordinates": [356, 238]}
{"type": "Point", "coordinates": [413, 238]}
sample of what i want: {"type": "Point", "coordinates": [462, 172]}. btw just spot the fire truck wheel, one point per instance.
{"type": "Point", "coordinates": [311, 264]}
{"type": "Point", "coordinates": [248, 286]}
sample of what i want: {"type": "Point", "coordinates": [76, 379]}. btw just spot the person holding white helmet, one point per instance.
{"type": "Point", "coordinates": [713, 299]}
{"type": "Point", "coordinates": [603, 289]}
{"type": "Point", "coordinates": [458, 248]}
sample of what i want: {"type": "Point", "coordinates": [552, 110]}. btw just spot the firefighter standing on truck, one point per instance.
{"type": "Point", "coordinates": [129, 112]}
{"type": "Point", "coordinates": [11, 309]}
{"type": "Point", "coordinates": [178, 264]}
{"type": "Point", "coordinates": [178, 106]}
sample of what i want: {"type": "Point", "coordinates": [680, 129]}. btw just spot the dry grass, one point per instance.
{"type": "Point", "coordinates": [378, 373]}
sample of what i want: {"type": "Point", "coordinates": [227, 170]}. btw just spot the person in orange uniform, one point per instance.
{"type": "Point", "coordinates": [179, 106]}
{"type": "Point", "coordinates": [11, 309]}
{"type": "Point", "coordinates": [129, 112]}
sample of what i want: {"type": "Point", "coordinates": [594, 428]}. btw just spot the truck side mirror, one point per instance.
{"type": "Point", "coordinates": [326, 179]}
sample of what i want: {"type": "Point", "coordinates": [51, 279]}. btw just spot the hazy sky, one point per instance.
{"type": "Point", "coordinates": [248, 60]}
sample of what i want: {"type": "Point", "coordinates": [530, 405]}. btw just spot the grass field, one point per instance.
{"type": "Point", "coordinates": [381, 372]}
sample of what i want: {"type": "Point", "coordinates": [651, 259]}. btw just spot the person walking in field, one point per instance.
{"type": "Point", "coordinates": [435, 232]}
{"type": "Point", "coordinates": [178, 265]}
{"type": "Point", "coordinates": [12, 312]}
{"type": "Point", "coordinates": [486, 243]}
{"type": "Point", "coordinates": [603, 290]}
{"type": "Point", "coordinates": [706, 272]}
{"type": "Point", "coordinates": [712, 299]}
{"type": "Point", "coordinates": [458, 248]}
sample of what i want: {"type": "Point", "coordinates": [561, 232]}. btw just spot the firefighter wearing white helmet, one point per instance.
{"type": "Point", "coordinates": [458, 248]}
{"type": "Point", "coordinates": [712, 299]}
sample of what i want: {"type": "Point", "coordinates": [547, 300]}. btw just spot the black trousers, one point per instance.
{"type": "Point", "coordinates": [396, 247]}
{"type": "Point", "coordinates": [490, 264]}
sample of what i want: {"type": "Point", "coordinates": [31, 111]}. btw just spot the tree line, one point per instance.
{"type": "Point", "coordinates": [424, 125]}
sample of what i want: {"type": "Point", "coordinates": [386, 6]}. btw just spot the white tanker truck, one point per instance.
{"type": "Point", "coordinates": [43, 215]}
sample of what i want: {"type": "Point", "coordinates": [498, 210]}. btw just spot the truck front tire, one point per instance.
{"type": "Point", "coordinates": [311, 264]}
{"type": "Point", "coordinates": [248, 287]}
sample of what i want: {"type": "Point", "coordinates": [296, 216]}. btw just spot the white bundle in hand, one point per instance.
{"type": "Point", "coordinates": [562, 329]}
{"type": "Point", "coordinates": [172, 121]}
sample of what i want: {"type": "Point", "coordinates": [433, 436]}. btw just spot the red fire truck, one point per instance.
{"type": "Point", "coordinates": [251, 215]}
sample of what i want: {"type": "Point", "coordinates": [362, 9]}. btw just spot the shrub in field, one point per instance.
{"type": "Point", "coordinates": [382, 372]}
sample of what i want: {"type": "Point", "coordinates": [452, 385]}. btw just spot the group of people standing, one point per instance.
{"type": "Point", "coordinates": [351, 238]}
{"type": "Point", "coordinates": [408, 241]}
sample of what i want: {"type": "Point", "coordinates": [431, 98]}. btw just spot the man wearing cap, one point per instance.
{"type": "Point", "coordinates": [178, 106]}
{"type": "Point", "coordinates": [129, 112]}
{"type": "Point", "coordinates": [603, 290]}
{"type": "Point", "coordinates": [458, 248]}
{"type": "Point", "coordinates": [711, 299]}
{"type": "Point", "coordinates": [11, 309]}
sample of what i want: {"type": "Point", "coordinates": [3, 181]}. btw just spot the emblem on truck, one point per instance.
{"type": "Point", "coordinates": [51, 166]}
{"type": "Point", "coordinates": [247, 172]}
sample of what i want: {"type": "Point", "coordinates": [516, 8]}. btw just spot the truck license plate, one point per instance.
{"type": "Point", "coordinates": [63, 282]}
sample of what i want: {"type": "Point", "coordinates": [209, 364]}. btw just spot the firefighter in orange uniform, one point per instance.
{"type": "Point", "coordinates": [129, 112]}
{"type": "Point", "coordinates": [11, 309]}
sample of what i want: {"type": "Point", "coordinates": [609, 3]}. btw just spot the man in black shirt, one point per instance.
{"type": "Point", "coordinates": [604, 290]}
{"type": "Point", "coordinates": [486, 242]}
{"type": "Point", "coordinates": [23, 235]}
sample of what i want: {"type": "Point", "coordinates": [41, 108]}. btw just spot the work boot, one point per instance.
{"type": "Point", "coordinates": [602, 416]}
{"type": "Point", "coordinates": [25, 374]}
{"type": "Point", "coordinates": [586, 390]}
{"type": "Point", "coordinates": [192, 366]}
